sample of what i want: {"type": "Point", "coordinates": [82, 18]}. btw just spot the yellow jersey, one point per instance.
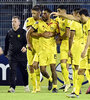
{"type": "Point", "coordinates": [86, 28]}
{"type": "Point", "coordinates": [79, 35]}
{"type": "Point", "coordinates": [47, 44]}
{"type": "Point", "coordinates": [63, 24]}
{"type": "Point", "coordinates": [35, 41]}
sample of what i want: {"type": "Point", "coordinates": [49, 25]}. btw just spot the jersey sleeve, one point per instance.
{"type": "Point", "coordinates": [27, 22]}
{"type": "Point", "coordinates": [68, 23]}
{"type": "Point", "coordinates": [88, 25]}
{"type": "Point", "coordinates": [72, 26]}
{"type": "Point", "coordinates": [35, 26]}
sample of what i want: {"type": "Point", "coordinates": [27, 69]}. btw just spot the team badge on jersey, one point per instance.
{"type": "Point", "coordinates": [36, 22]}
{"type": "Point", "coordinates": [51, 28]}
{"type": "Point", "coordinates": [63, 24]}
{"type": "Point", "coordinates": [18, 35]}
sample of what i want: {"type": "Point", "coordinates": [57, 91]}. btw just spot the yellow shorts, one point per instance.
{"type": "Point", "coordinates": [47, 58]}
{"type": "Point", "coordinates": [36, 56]}
{"type": "Point", "coordinates": [31, 57]}
{"type": "Point", "coordinates": [84, 63]}
{"type": "Point", "coordinates": [63, 54]}
{"type": "Point", "coordinates": [64, 48]}
{"type": "Point", "coordinates": [76, 51]}
{"type": "Point", "coordinates": [69, 61]}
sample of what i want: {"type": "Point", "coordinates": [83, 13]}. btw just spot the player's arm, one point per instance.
{"type": "Point", "coordinates": [28, 37]}
{"type": "Point", "coordinates": [48, 34]}
{"type": "Point", "coordinates": [67, 16]}
{"type": "Point", "coordinates": [86, 46]}
{"type": "Point", "coordinates": [58, 40]}
{"type": "Point", "coordinates": [36, 35]}
{"type": "Point", "coordinates": [6, 44]}
{"type": "Point", "coordinates": [66, 34]}
{"type": "Point", "coordinates": [72, 33]}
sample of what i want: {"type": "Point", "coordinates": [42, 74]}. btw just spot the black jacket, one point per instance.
{"type": "Point", "coordinates": [14, 42]}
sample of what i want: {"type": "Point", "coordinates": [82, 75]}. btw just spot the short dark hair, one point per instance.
{"type": "Point", "coordinates": [16, 17]}
{"type": "Point", "coordinates": [47, 9]}
{"type": "Point", "coordinates": [62, 7]}
{"type": "Point", "coordinates": [36, 8]}
{"type": "Point", "coordinates": [77, 9]}
{"type": "Point", "coordinates": [84, 12]}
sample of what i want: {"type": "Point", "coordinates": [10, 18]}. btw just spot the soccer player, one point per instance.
{"type": "Point", "coordinates": [32, 55]}
{"type": "Point", "coordinates": [71, 17]}
{"type": "Point", "coordinates": [83, 63]}
{"type": "Point", "coordinates": [64, 25]}
{"type": "Point", "coordinates": [75, 41]}
{"type": "Point", "coordinates": [47, 44]}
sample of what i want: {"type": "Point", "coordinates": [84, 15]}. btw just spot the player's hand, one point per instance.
{"type": "Point", "coordinates": [29, 46]}
{"type": "Point", "coordinates": [47, 34]}
{"type": "Point", "coordinates": [55, 14]}
{"type": "Point", "coordinates": [23, 49]}
{"type": "Point", "coordinates": [83, 54]}
{"type": "Point", "coordinates": [69, 54]}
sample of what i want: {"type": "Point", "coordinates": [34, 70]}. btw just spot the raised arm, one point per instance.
{"type": "Point", "coordinates": [67, 16]}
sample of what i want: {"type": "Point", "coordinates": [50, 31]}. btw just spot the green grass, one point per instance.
{"type": "Point", "coordinates": [44, 94]}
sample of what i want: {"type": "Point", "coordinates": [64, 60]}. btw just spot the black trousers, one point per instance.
{"type": "Point", "coordinates": [23, 68]}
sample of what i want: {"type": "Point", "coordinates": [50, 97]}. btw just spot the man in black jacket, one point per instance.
{"type": "Point", "coordinates": [15, 50]}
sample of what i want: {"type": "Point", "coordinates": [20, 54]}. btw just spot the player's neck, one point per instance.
{"type": "Point", "coordinates": [86, 19]}
{"type": "Point", "coordinates": [48, 21]}
{"type": "Point", "coordinates": [64, 13]}
{"type": "Point", "coordinates": [37, 19]}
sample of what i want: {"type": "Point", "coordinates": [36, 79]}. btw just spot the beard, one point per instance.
{"type": "Point", "coordinates": [44, 19]}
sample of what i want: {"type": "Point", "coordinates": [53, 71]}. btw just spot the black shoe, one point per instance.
{"type": "Point", "coordinates": [54, 90]}
{"type": "Point", "coordinates": [62, 87]}
{"type": "Point", "coordinates": [49, 85]}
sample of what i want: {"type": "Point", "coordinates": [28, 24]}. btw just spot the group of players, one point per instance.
{"type": "Point", "coordinates": [72, 32]}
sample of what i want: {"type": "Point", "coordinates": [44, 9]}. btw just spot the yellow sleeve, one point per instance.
{"type": "Point", "coordinates": [27, 22]}
{"type": "Point", "coordinates": [35, 26]}
{"type": "Point", "coordinates": [56, 19]}
{"type": "Point", "coordinates": [88, 25]}
{"type": "Point", "coordinates": [67, 23]}
{"type": "Point", "coordinates": [72, 27]}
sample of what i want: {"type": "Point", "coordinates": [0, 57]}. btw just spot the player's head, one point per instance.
{"type": "Point", "coordinates": [76, 12]}
{"type": "Point", "coordinates": [1, 51]}
{"type": "Point", "coordinates": [62, 9]}
{"type": "Point", "coordinates": [15, 22]}
{"type": "Point", "coordinates": [36, 12]}
{"type": "Point", "coordinates": [46, 14]}
{"type": "Point", "coordinates": [83, 14]}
